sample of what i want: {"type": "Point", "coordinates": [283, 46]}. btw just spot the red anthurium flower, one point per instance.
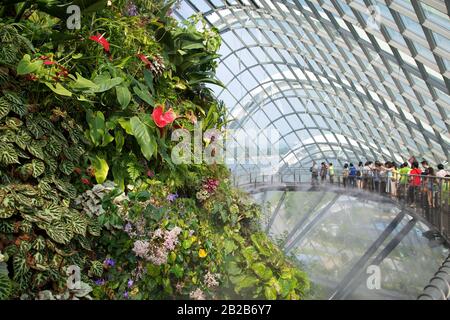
{"type": "Point", "coordinates": [102, 40]}
{"type": "Point", "coordinates": [144, 59]}
{"type": "Point", "coordinates": [85, 181]}
{"type": "Point", "coordinates": [162, 118]}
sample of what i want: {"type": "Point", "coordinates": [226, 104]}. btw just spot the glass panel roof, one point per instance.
{"type": "Point", "coordinates": [339, 80]}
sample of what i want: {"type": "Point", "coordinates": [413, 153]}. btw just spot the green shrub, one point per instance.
{"type": "Point", "coordinates": [86, 176]}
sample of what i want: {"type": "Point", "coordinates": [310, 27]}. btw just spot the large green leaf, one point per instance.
{"type": "Point", "coordinates": [34, 127]}
{"type": "Point", "coordinates": [262, 271]}
{"type": "Point", "coordinates": [81, 83]}
{"type": "Point", "coordinates": [144, 95]}
{"type": "Point", "coordinates": [35, 148]}
{"type": "Point", "coordinates": [4, 107]}
{"type": "Point", "coordinates": [101, 169]}
{"type": "Point", "coordinates": [148, 76]}
{"type": "Point", "coordinates": [105, 83]}
{"type": "Point", "coordinates": [120, 140]}
{"type": "Point", "coordinates": [57, 230]}
{"type": "Point", "coordinates": [38, 167]}
{"type": "Point", "coordinates": [25, 65]}
{"type": "Point", "coordinates": [243, 282]}
{"type": "Point", "coordinates": [59, 89]}
{"type": "Point", "coordinates": [51, 163]}
{"type": "Point", "coordinates": [39, 243]}
{"type": "Point", "coordinates": [270, 293]}
{"type": "Point", "coordinates": [8, 154]}
{"type": "Point", "coordinates": [187, 45]}
{"type": "Point", "coordinates": [94, 229]}
{"type": "Point", "coordinates": [54, 146]}
{"type": "Point", "coordinates": [66, 167]}
{"type": "Point", "coordinates": [5, 285]}
{"type": "Point", "coordinates": [96, 122]}
{"type": "Point", "coordinates": [22, 138]}
{"type": "Point", "coordinates": [65, 187]}
{"type": "Point", "coordinates": [6, 213]}
{"type": "Point", "coordinates": [123, 96]}
{"type": "Point", "coordinates": [96, 268]}
{"type": "Point", "coordinates": [79, 224]}
{"type": "Point", "coordinates": [125, 124]}
{"type": "Point", "coordinates": [142, 134]}
{"type": "Point", "coordinates": [20, 265]}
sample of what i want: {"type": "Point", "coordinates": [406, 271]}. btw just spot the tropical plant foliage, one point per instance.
{"type": "Point", "coordinates": [86, 174]}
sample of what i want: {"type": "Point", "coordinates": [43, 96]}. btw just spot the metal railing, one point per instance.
{"type": "Point", "coordinates": [439, 286]}
{"type": "Point", "coordinates": [426, 196]}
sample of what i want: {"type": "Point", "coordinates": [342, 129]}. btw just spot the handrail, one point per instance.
{"type": "Point", "coordinates": [439, 286]}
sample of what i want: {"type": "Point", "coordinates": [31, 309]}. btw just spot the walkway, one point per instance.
{"type": "Point", "coordinates": [387, 241]}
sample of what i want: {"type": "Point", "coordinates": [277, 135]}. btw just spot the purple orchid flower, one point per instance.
{"type": "Point", "coordinates": [172, 197]}
{"type": "Point", "coordinates": [109, 262]}
{"type": "Point", "coordinates": [130, 283]}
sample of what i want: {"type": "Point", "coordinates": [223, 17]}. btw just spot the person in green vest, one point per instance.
{"type": "Point", "coordinates": [403, 172]}
{"type": "Point", "coordinates": [331, 172]}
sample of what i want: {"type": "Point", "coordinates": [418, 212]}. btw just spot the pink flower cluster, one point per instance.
{"type": "Point", "coordinates": [197, 294]}
{"type": "Point", "coordinates": [157, 249]}
{"type": "Point", "coordinates": [210, 280]}
{"type": "Point", "coordinates": [141, 248]}
{"type": "Point", "coordinates": [208, 188]}
{"type": "Point", "coordinates": [211, 185]}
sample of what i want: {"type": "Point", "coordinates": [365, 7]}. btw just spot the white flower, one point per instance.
{"type": "Point", "coordinates": [198, 294]}
{"type": "Point", "coordinates": [2, 257]}
{"type": "Point", "coordinates": [109, 3]}
{"type": "Point", "coordinates": [141, 248]}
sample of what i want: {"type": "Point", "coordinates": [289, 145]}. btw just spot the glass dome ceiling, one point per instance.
{"type": "Point", "coordinates": [339, 80]}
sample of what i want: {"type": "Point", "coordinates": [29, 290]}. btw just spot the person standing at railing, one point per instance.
{"type": "Point", "coordinates": [430, 186]}
{"type": "Point", "coordinates": [352, 175]}
{"type": "Point", "coordinates": [345, 173]}
{"type": "Point", "coordinates": [331, 172]}
{"type": "Point", "coordinates": [395, 178]}
{"type": "Point", "coordinates": [389, 168]}
{"type": "Point", "coordinates": [323, 172]}
{"type": "Point", "coordinates": [383, 178]}
{"type": "Point", "coordinates": [424, 185]}
{"type": "Point", "coordinates": [441, 173]}
{"type": "Point", "coordinates": [365, 175]}
{"type": "Point", "coordinates": [314, 174]}
{"type": "Point", "coordinates": [359, 178]}
{"type": "Point", "coordinates": [425, 167]}
{"type": "Point", "coordinates": [403, 183]}
{"type": "Point", "coordinates": [376, 176]}
{"type": "Point", "coordinates": [415, 183]}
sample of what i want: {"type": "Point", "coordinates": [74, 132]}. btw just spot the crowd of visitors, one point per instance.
{"type": "Point", "coordinates": [410, 181]}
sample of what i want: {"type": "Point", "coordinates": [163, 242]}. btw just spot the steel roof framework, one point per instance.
{"type": "Point", "coordinates": [364, 91]}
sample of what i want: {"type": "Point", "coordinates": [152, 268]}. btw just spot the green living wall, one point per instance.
{"type": "Point", "coordinates": [87, 181]}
